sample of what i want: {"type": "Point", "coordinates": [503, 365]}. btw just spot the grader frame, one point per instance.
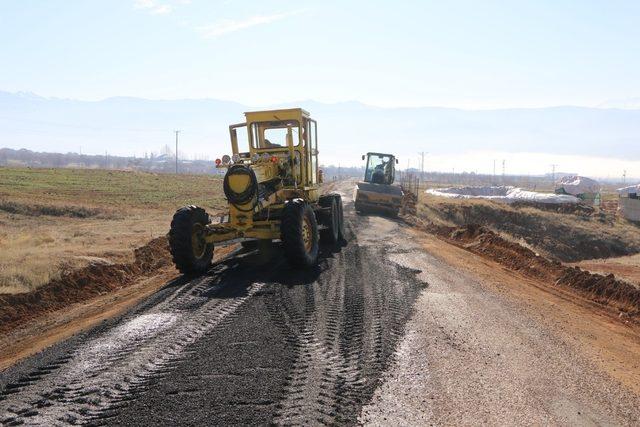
{"type": "Point", "coordinates": [273, 192]}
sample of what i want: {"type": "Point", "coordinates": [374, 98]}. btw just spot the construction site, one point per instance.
{"type": "Point", "coordinates": [316, 299]}
{"type": "Point", "coordinates": [416, 213]}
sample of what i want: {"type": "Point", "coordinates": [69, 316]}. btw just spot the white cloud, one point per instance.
{"type": "Point", "coordinates": [152, 6]}
{"type": "Point", "coordinates": [161, 9]}
{"type": "Point", "coordinates": [227, 26]}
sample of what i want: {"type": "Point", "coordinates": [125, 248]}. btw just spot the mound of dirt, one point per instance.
{"type": "Point", "coordinates": [569, 234]}
{"type": "Point", "coordinates": [565, 208]}
{"type": "Point", "coordinates": [605, 290]}
{"type": "Point", "coordinates": [483, 241]}
{"type": "Point", "coordinates": [409, 204]}
{"type": "Point", "coordinates": [82, 284]}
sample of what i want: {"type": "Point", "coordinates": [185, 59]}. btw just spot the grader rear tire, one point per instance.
{"type": "Point", "coordinates": [191, 254]}
{"type": "Point", "coordinates": [331, 234]}
{"type": "Point", "coordinates": [341, 233]}
{"type": "Point", "coordinates": [299, 233]}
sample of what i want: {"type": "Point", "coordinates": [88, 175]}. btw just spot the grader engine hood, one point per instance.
{"type": "Point", "coordinates": [243, 182]}
{"type": "Point", "coordinates": [240, 185]}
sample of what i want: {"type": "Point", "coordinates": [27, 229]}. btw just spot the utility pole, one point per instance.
{"type": "Point", "coordinates": [553, 174]}
{"type": "Point", "coordinates": [422, 165]}
{"type": "Point", "coordinates": [494, 172]}
{"type": "Point", "coordinates": [177, 132]}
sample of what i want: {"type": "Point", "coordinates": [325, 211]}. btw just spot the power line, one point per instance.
{"type": "Point", "coordinates": [553, 174]}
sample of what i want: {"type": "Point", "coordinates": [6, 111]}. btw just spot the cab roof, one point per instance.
{"type": "Point", "coordinates": [271, 115]}
{"type": "Point", "coordinates": [380, 154]}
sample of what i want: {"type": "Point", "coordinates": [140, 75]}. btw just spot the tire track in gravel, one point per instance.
{"type": "Point", "coordinates": [343, 333]}
{"type": "Point", "coordinates": [98, 377]}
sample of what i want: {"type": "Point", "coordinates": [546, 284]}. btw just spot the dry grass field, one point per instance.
{"type": "Point", "coordinates": [57, 219]}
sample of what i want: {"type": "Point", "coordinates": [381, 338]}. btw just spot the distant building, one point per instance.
{"type": "Point", "coordinates": [629, 203]}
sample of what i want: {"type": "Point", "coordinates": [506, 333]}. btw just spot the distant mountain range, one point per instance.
{"type": "Point", "coordinates": [128, 126]}
{"type": "Point", "coordinates": [626, 104]}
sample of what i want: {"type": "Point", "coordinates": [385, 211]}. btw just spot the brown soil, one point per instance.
{"type": "Point", "coordinates": [50, 328]}
{"type": "Point", "coordinates": [82, 284]}
{"type": "Point", "coordinates": [409, 203]}
{"type": "Point", "coordinates": [566, 233]}
{"type": "Point", "coordinates": [97, 292]}
{"type": "Point", "coordinates": [626, 268]}
{"type": "Point", "coordinates": [619, 296]}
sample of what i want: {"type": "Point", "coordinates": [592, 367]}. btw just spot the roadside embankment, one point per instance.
{"type": "Point", "coordinates": [568, 233]}
{"type": "Point", "coordinates": [620, 297]}
{"type": "Point", "coordinates": [82, 284]}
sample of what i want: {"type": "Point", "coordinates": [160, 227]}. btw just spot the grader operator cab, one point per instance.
{"type": "Point", "coordinates": [273, 194]}
{"type": "Point", "coordinates": [377, 192]}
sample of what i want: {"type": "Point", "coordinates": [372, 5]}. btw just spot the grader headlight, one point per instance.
{"type": "Point", "coordinates": [240, 185]}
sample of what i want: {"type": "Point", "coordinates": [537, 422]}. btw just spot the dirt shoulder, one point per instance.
{"type": "Point", "coordinates": [492, 346]}
{"type": "Point", "coordinates": [83, 298]}
{"type": "Point", "coordinates": [619, 298]}
{"type": "Point", "coordinates": [78, 299]}
{"type": "Point", "coordinates": [82, 284]}
{"type": "Point", "coordinates": [54, 326]}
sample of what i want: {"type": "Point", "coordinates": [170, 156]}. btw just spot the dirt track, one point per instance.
{"type": "Point", "coordinates": [407, 327]}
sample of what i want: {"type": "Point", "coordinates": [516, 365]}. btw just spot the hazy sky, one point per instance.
{"type": "Point", "coordinates": [477, 54]}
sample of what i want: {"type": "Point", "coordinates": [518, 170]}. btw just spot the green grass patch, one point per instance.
{"type": "Point", "coordinates": [110, 188]}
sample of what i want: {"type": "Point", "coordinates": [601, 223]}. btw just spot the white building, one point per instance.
{"type": "Point", "coordinates": [629, 203]}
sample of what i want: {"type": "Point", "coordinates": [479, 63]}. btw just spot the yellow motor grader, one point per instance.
{"type": "Point", "coordinates": [377, 192]}
{"type": "Point", "coordinates": [273, 191]}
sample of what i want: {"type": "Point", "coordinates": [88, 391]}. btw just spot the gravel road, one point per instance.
{"type": "Point", "coordinates": [382, 332]}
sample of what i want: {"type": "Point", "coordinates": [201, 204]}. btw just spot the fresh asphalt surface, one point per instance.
{"type": "Point", "coordinates": [252, 342]}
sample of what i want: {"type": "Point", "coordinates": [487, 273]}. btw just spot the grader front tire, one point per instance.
{"type": "Point", "coordinates": [191, 254]}
{"type": "Point", "coordinates": [299, 233]}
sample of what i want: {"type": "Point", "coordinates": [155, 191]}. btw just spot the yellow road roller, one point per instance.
{"type": "Point", "coordinates": [377, 193]}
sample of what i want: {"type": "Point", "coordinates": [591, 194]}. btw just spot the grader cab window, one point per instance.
{"type": "Point", "coordinates": [270, 135]}
{"type": "Point", "coordinates": [309, 139]}
{"type": "Point", "coordinates": [241, 139]}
